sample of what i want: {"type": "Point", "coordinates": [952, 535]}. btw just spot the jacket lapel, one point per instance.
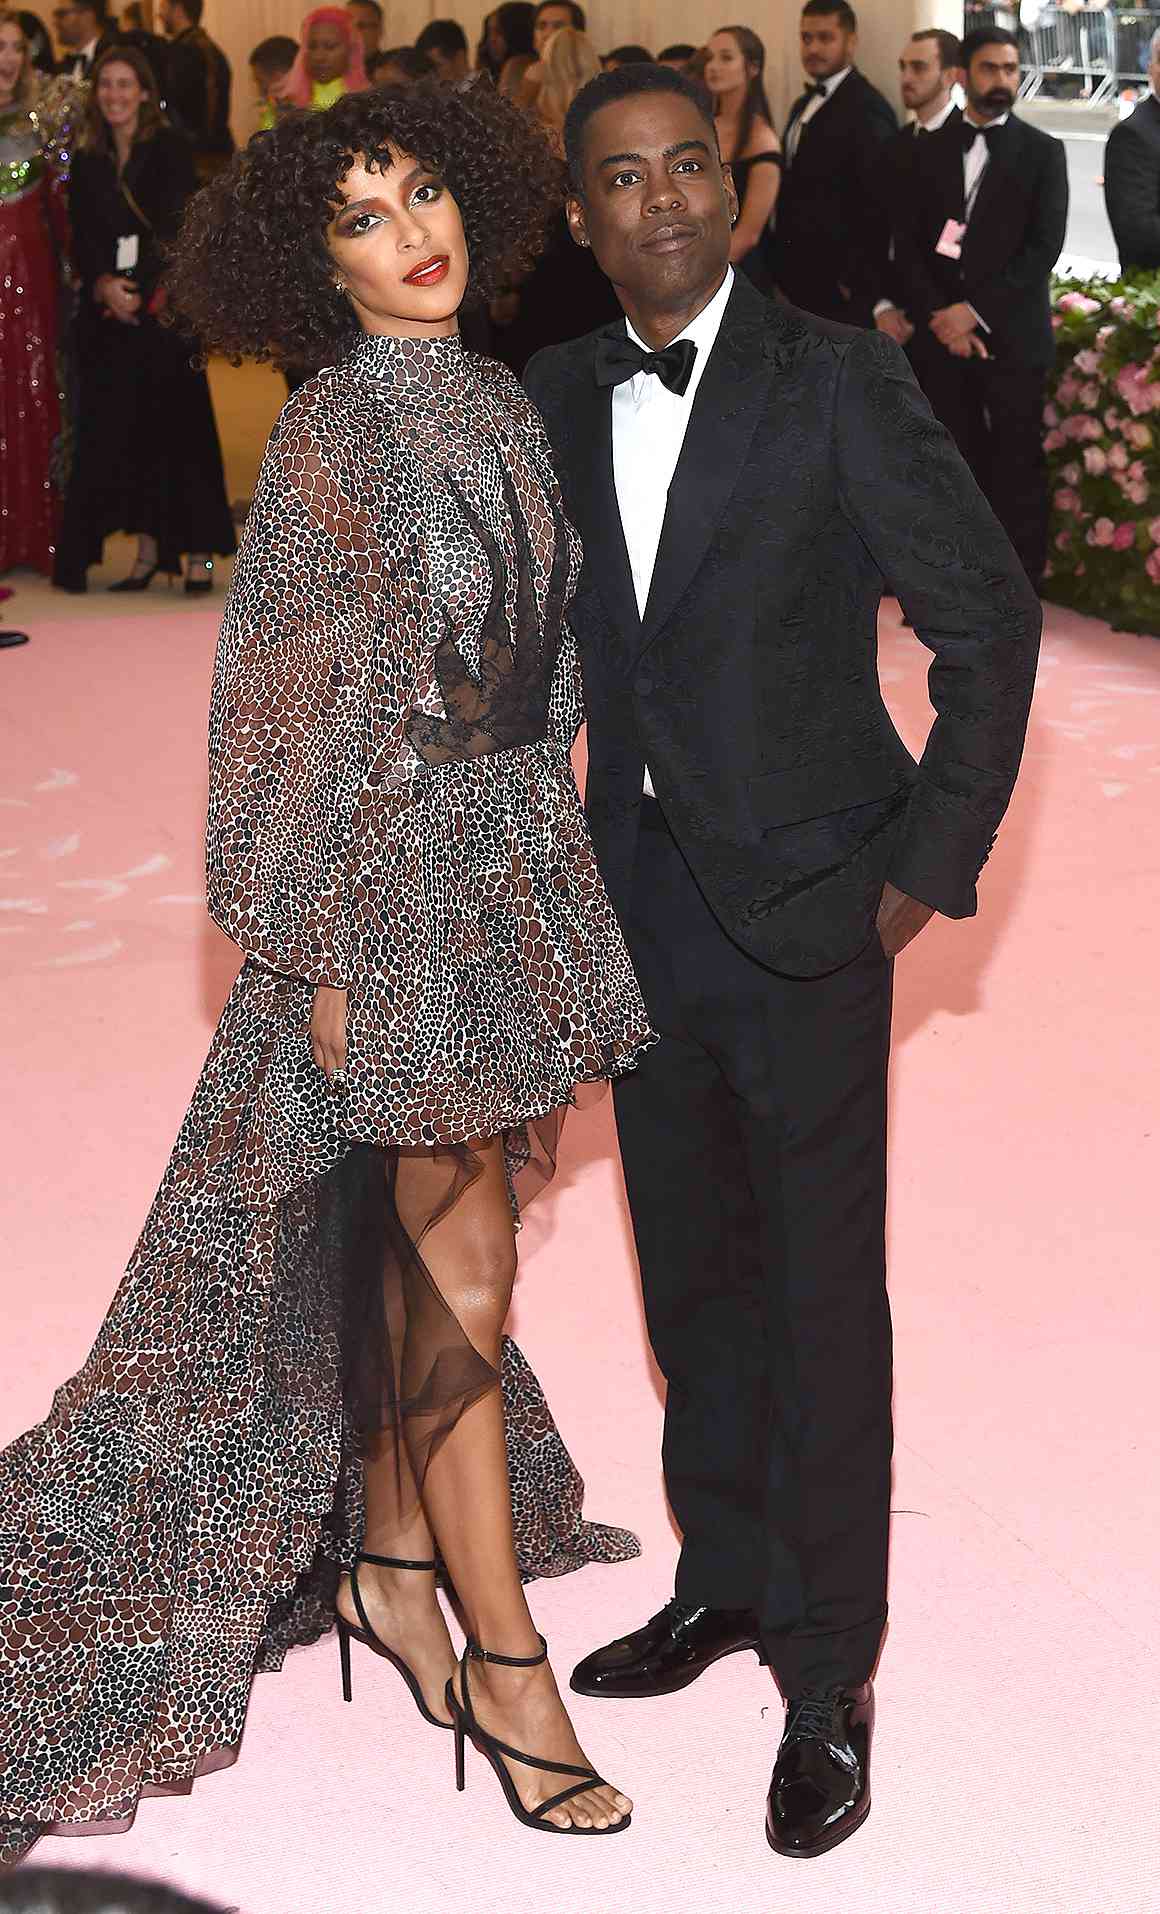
{"type": "Point", "coordinates": [1002, 165]}
{"type": "Point", "coordinates": [729, 402]}
{"type": "Point", "coordinates": [595, 506]}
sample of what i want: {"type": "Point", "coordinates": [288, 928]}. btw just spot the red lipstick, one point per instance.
{"type": "Point", "coordinates": [429, 272]}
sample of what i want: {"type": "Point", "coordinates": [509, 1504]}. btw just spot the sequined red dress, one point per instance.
{"type": "Point", "coordinates": [32, 229]}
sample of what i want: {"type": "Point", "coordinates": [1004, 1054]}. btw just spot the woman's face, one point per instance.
{"type": "Point", "coordinates": [493, 36]}
{"type": "Point", "coordinates": [120, 96]}
{"type": "Point", "coordinates": [399, 249]}
{"type": "Point", "coordinates": [327, 52]}
{"type": "Point", "coordinates": [11, 58]}
{"type": "Point", "coordinates": [726, 70]}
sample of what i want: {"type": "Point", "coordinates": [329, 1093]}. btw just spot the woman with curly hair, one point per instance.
{"type": "Point", "coordinates": [297, 1392]}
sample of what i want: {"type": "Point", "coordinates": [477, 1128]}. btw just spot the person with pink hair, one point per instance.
{"type": "Point", "coordinates": [330, 60]}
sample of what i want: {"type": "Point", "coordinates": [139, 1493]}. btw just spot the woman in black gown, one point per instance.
{"type": "Point", "coordinates": [735, 76]}
{"type": "Point", "coordinates": [147, 459]}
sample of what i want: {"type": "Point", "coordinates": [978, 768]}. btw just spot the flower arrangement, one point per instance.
{"type": "Point", "coordinates": [1103, 451]}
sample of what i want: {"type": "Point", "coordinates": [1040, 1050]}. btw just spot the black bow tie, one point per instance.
{"type": "Point", "coordinates": [817, 91]}
{"type": "Point", "coordinates": [992, 134]}
{"type": "Point", "coordinates": [619, 358]}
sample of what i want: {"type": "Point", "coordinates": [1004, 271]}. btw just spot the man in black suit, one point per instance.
{"type": "Point", "coordinates": [1132, 177]}
{"type": "Point", "coordinates": [975, 240]}
{"type": "Point", "coordinates": [832, 231]}
{"type": "Point", "coordinates": [197, 85]}
{"type": "Point", "coordinates": [929, 67]}
{"type": "Point", "coordinates": [743, 476]}
{"type": "Point", "coordinates": [84, 33]}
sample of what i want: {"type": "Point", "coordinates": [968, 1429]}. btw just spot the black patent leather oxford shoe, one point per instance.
{"type": "Point", "coordinates": [668, 1653]}
{"type": "Point", "coordinates": [820, 1792]}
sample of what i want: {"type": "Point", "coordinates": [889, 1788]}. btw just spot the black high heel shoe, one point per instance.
{"type": "Point", "coordinates": [467, 1727]}
{"type": "Point", "coordinates": [347, 1633]}
{"type": "Point", "coordinates": [136, 581]}
{"type": "Point", "coordinates": [197, 587]}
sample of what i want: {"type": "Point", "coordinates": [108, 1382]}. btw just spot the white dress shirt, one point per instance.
{"type": "Point", "coordinates": [812, 107]}
{"type": "Point", "coordinates": [976, 159]}
{"type": "Point", "coordinates": [937, 119]}
{"type": "Point", "coordinates": [83, 58]}
{"type": "Point", "coordinates": [648, 430]}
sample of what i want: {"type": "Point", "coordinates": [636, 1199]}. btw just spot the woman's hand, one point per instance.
{"type": "Point", "coordinates": [119, 297]}
{"type": "Point", "coordinates": [328, 1030]}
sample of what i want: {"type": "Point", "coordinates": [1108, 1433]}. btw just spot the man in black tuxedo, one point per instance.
{"type": "Point", "coordinates": [832, 230]}
{"type": "Point", "coordinates": [197, 85]}
{"type": "Point", "coordinates": [975, 239]}
{"type": "Point", "coordinates": [1132, 177]}
{"type": "Point", "coordinates": [743, 476]}
{"type": "Point", "coordinates": [84, 32]}
{"type": "Point", "coordinates": [929, 66]}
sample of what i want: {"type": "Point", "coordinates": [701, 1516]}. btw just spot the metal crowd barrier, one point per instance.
{"type": "Point", "coordinates": [1102, 48]}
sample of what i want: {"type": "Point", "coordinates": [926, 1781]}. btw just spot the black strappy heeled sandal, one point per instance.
{"type": "Point", "coordinates": [467, 1728]}
{"type": "Point", "coordinates": [347, 1632]}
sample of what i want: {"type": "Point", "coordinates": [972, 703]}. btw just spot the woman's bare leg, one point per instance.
{"type": "Point", "coordinates": [466, 1494]}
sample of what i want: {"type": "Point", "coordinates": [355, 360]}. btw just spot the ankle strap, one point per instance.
{"type": "Point", "coordinates": [473, 1652]}
{"type": "Point", "coordinates": [392, 1561]}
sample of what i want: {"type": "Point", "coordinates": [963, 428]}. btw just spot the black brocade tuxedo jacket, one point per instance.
{"type": "Point", "coordinates": [811, 468]}
{"type": "Point", "coordinates": [1132, 186]}
{"type": "Point", "coordinates": [831, 231]}
{"type": "Point", "coordinates": [1013, 239]}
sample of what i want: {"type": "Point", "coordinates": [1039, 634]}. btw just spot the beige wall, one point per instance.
{"type": "Point", "coordinates": [239, 24]}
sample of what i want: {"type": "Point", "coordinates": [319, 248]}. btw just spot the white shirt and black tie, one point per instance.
{"type": "Point", "coordinates": [820, 91]}
{"type": "Point", "coordinates": [649, 423]}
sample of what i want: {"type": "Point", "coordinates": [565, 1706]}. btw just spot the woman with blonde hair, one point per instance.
{"type": "Point", "coordinates": [567, 293]}
{"type": "Point", "coordinates": [569, 60]}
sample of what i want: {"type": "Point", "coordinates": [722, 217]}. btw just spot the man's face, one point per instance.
{"type": "Point", "coordinates": [921, 77]}
{"type": "Point", "coordinates": [172, 17]}
{"type": "Point", "coordinates": [826, 45]}
{"type": "Point", "coordinates": [993, 81]}
{"type": "Point", "coordinates": [367, 26]}
{"type": "Point", "coordinates": [548, 21]}
{"type": "Point", "coordinates": [657, 207]}
{"type": "Point", "coordinates": [450, 68]}
{"type": "Point", "coordinates": [75, 26]}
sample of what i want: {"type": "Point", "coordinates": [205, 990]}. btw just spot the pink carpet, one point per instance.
{"type": "Point", "coordinates": [1015, 1757]}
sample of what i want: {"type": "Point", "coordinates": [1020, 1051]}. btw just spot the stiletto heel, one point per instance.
{"type": "Point", "coordinates": [460, 1742]}
{"type": "Point", "coordinates": [344, 1655]}
{"type": "Point", "coordinates": [467, 1728]}
{"type": "Point", "coordinates": [348, 1633]}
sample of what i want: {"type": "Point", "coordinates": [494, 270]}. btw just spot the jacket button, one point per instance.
{"type": "Point", "coordinates": [644, 682]}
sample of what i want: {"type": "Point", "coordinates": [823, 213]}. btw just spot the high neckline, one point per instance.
{"type": "Point", "coordinates": [403, 360]}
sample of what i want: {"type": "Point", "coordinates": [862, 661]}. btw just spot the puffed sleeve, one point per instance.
{"type": "Point", "coordinates": [288, 740]}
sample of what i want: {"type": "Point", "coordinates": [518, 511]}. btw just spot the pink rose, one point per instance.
{"type": "Point", "coordinates": [1087, 360]}
{"type": "Point", "coordinates": [1065, 500]}
{"type": "Point", "coordinates": [1124, 538]}
{"type": "Point", "coordinates": [1111, 419]}
{"type": "Point", "coordinates": [1063, 541]}
{"type": "Point", "coordinates": [1152, 565]}
{"type": "Point", "coordinates": [1118, 305]}
{"type": "Point", "coordinates": [1136, 472]}
{"type": "Point", "coordinates": [1089, 396]}
{"type": "Point", "coordinates": [1117, 458]}
{"type": "Point", "coordinates": [1102, 532]}
{"type": "Point", "coordinates": [1070, 473]}
{"type": "Point", "coordinates": [1095, 461]}
{"type": "Point", "coordinates": [1080, 569]}
{"type": "Point", "coordinates": [1066, 390]}
{"type": "Point", "coordinates": [1050, 415]}
{"type": "Point", "coordinates": [1077, 302]}
{"type": "Point", "coordinates": [1091, 429]}
{"type": "Point", "coordinates": [1053, 441]}
{"type": "Point", "coordinates": [1154, 531]}
{"type": "Point", "coordinates": [1137, 494]}
{"type": "Point", "coordinates": [1138, 434]}
{"type": "Point", "coordinates": [1049, 569]}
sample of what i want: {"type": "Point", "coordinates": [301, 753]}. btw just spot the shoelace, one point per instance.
{"type": "Point", "coordinates": [811, 1715]}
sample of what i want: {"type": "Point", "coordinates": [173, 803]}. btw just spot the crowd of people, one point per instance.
{"type": "Point", "coordinates": [109, 427]}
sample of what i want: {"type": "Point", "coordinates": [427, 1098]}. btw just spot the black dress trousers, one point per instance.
{"type": "Point", "coordinates": [753, 1138]}
{"type": "Point", "coordinates": [994, 413]}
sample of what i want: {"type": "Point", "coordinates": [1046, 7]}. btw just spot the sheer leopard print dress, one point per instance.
{"type": "Point", "coordinates": [392, 809]}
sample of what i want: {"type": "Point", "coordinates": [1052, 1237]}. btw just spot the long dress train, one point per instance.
{"type": "Point", "coordinates": [392, 810]}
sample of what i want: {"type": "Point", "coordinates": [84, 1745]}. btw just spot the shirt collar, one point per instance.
{"type": "Point", "coordinates": [835, 80]}
{"type": "Point", "coordinates": [702, 330]}
{"type": "Point", "coordinates": [940, 119]}
{"type": "Point", "coordinates": [1001, 121]}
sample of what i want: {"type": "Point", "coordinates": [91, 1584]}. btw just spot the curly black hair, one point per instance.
{"type": "Point", "coordinates": [250, 272]}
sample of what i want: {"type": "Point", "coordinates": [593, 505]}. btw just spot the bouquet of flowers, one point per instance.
{"type": "Point", "coordinates": [1103, 451]}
